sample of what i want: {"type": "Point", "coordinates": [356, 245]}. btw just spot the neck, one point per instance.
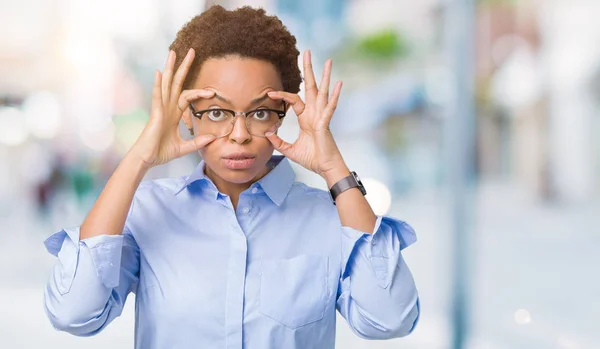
{"type": "Point", "coordinates": [233, 190]}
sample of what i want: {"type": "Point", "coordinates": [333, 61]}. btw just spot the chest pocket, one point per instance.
{"type": "Point", "coordinates": [294, 291]}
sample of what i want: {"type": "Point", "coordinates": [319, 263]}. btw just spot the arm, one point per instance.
{"type": "Point", "coordinates": [91, 281]}
{"type": "Point", "coordinates": [108, 214]}
{"type": "Point", "coordinates": [98, 263]}
{"type": "Point", "coordinates": [377, 294]}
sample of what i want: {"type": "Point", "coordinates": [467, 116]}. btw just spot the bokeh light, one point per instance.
{"type": "Point", "coordinates": [378, 195]}
{"type": "Point", "coordinates": [13, 130]}
{"type": "Point", "coordinates": [42, 112]}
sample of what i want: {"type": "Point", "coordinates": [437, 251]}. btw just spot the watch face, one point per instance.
{"type": "Point", "coordinates": [360, 185]}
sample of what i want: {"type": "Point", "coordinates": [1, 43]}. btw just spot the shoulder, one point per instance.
{"type": "Point", "coordinates": [153, 196]}
{"type": "Point", "coordinates": [159, 187]}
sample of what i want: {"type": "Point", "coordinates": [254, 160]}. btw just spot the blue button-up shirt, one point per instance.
{"type": "Point", "coordinates": [269, 274]}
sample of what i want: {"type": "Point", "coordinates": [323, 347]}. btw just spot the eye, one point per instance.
{"type": "Point", "coordinates": [217, 115]}
{"type": "Point", "coordinates": [262, 115]}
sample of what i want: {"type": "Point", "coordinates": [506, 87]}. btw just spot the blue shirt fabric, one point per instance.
{"type": "Point", "coordinates": [269, 274]}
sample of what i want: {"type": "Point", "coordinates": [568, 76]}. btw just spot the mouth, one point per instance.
{"type": "Point", "coordinates": [238, 161]}
{"type": "Point", "coordinates": [239, 156]}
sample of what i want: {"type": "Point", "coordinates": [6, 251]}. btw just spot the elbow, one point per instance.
{"type": "Point", "coordinates": [72, 323]}
{"type": "Point", "coordinates": [407, 323]}
{"type": "Point", "coordinates": [392, 327]}
{"type": "Point", "coordinates": [68, 319]}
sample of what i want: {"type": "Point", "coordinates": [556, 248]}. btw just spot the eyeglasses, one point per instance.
{"type": "Point", "coordinates": [220, 122]}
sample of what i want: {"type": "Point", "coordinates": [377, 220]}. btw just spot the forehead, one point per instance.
{"type": "Point", "coordinates": [236, 77]}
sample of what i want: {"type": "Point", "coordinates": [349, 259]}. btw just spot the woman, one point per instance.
{"type": "Point", "coordinates": [238, 254]}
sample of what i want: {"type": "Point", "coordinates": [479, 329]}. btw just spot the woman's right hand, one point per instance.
{"type": "Point", "coordinates": [160, 141]}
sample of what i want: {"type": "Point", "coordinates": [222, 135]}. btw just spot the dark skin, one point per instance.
{"type": "Point", "coordinates": [239, 84]}
{"type": "Point", "coordinates": [240, 81]}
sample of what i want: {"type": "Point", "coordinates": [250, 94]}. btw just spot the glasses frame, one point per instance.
{"type": "Point", "coordinates": [198, 113]}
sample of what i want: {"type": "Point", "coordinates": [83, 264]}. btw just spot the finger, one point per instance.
{"type": "Point", "coordinates": [157, 105]}
{"type": "Point", "coordinates": [323, 95]}
{"type": "Point", "coordinates": [332, 105]}
{"type": "Point", "coordinates": [293, 99]}
{"type": "Point", "coordinates": [167, 75]}
{"type": "Point", "coordinates": [180, 75]}
{"type": "Point", "coordinates": [195, 144]}
{"type": "Point", "coordinates": [279, 144]}
{"type": "Point", "coordinates": [188, 96]}
{"type": "Point", "coordinates": [310, 86]}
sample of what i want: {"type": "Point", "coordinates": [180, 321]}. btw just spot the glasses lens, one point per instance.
{"type": "Point", "coordinates": [218, 123]}
{"type": "Point", "coordinates": [262, 122]}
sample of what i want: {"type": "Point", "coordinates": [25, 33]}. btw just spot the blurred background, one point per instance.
{"type": "Point", "coordinates": [476, 122]}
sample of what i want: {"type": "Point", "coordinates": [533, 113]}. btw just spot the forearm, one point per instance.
{"type": "Point", "coordinates": [353, 209]}
{"type": "Point", "coordinates": [109, 213]}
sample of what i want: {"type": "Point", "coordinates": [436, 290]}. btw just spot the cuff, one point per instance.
{"type": "Point", "coordinates": [104, 249]}
{"type": "Point", "coordinates": [381, 249]}
{"type": "Point", "coordinates": [64, 244]}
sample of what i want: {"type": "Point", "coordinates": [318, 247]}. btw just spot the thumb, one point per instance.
{"type": "Point", "coordinates": [279, 144]}
{"type": "Point", "coordinates": [195, 144]}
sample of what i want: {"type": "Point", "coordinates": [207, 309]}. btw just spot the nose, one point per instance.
{"type": "Point", "coordinates": [240, 133]}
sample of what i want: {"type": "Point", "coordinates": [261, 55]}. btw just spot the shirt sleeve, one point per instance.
{"type": "Point", "coordinates": [90, 280]}
{"type": "Point", "coordinates": [377, 294]}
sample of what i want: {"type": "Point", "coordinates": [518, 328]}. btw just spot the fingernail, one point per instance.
{"type": "Point", "coordinates": [272, 93]}
{"type": "Point", "coordinates": [269, 134]}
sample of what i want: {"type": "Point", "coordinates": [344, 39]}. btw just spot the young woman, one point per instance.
{"type": "Point", "coordinates": [237, 254]}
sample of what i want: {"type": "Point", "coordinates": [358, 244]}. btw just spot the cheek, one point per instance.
{"type": "Point", "coordinates": [209, 152]}
{"type": "Point", "coordinates": [264, 148]}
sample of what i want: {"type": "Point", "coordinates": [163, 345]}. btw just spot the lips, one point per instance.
{"type": "Point", "coordinates": [238, 161]}
{"type": "Point", "coordinates": [239, 156]}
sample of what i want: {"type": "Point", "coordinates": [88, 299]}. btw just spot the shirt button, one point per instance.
{"type": "Point", "coordinates": [246, 210]}
{"type": "Point", "coordinates": [254, 190]}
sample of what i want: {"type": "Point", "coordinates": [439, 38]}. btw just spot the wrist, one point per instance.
{"type": "Point", "coordinates": [136, 162]}
{"type": "Point", "coordinates": [336, 174]}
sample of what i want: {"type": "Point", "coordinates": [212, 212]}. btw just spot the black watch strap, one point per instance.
{"type": "Point", "coordinates": [352, 181]}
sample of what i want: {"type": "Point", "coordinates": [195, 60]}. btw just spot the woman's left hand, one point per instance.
{"type": "Point", "coordinates": [315, 148]}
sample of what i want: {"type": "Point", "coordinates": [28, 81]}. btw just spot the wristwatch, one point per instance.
{"type": "Point", "coordinates": [352, 181]}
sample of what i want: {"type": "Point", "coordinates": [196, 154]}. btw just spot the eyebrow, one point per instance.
{"type": "Point", "coordinates": [254, 101]}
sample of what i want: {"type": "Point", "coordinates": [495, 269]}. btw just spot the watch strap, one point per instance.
{"type": "Point", "coordinates": [344, 184]}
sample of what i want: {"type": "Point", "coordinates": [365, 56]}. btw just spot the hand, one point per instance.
{"type": "Point", "coordinates": [315, 148]}
{"type": "Point", "coordinates": [160, 141]}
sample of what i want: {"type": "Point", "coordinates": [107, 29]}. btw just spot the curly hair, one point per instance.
{"type": "Point", "coordinates": [246, 32]}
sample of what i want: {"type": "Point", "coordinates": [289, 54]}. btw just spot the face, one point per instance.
{"type": "Point", "coordinates": [240, 84]}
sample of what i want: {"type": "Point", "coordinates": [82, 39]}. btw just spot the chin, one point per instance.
{"type": "Point", "coordinates": [237, 176]}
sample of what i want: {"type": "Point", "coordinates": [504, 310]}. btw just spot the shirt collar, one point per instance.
{"type": "Point", "coordinates": [276, 184]}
